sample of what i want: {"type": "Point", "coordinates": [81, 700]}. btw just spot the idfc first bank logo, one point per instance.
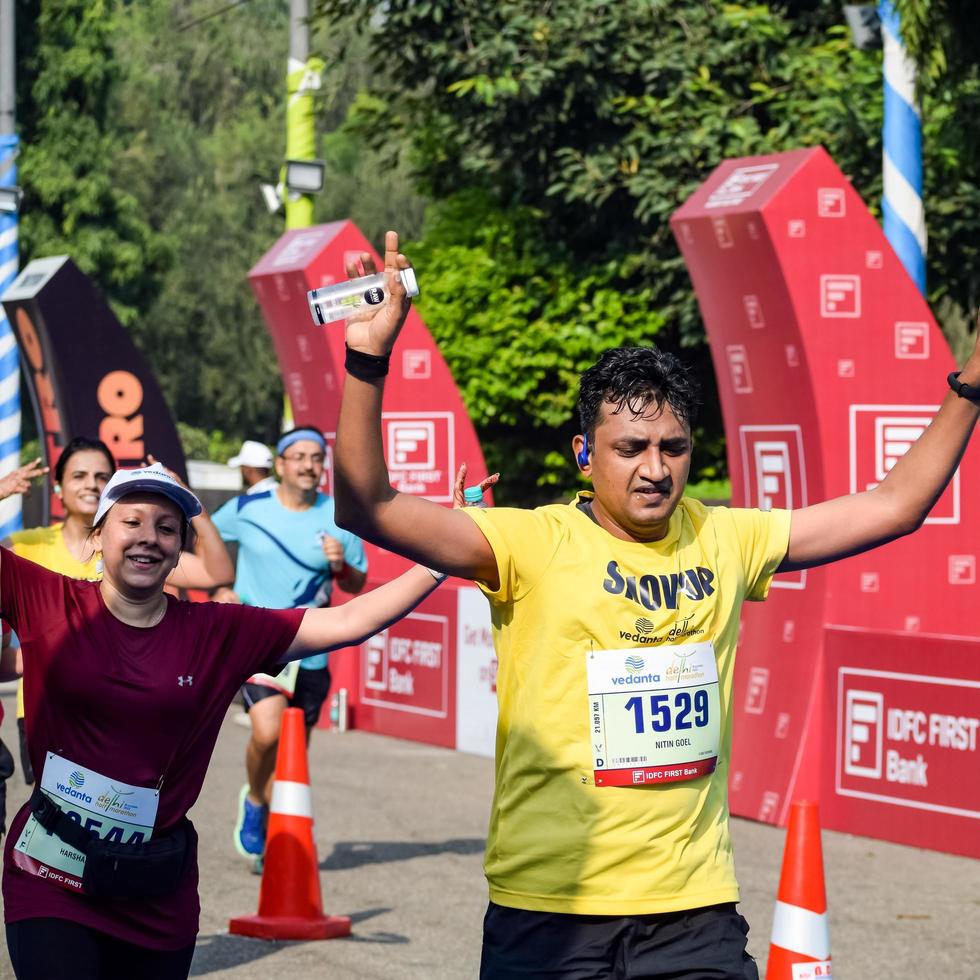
{"type": "Point", "coordinates": [909, 739]}
{"type": "Point", "coordinates": [419, 451]}
{"type": "Point", "coordinates": [774, 476]}
{"type": "Point", "coordinates": [879, 436]}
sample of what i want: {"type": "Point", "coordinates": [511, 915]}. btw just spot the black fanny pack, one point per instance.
{"type": "Point", "coordinates": [149, 869]}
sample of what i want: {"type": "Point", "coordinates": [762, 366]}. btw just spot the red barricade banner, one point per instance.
{"type": "Point", "coordinates": [402, 682]}
{"type": "Point", "coordinates": [829, 366]}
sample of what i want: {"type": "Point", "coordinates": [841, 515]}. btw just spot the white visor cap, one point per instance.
{"type": "Point", "coordinates": [151, 479]}
{"type": "Point", "coordinates": [253, 453]}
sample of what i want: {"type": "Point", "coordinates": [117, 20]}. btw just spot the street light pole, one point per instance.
{"type": "Point", "coordinates": [302, 80]}
{"type": "Point", "coordinates": [10, 513]}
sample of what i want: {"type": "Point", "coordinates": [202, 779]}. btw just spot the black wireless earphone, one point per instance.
{"type": "Point", "coordinates": [583, 454]}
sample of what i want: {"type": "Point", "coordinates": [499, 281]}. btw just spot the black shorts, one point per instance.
{"type": "Point", "coordinates": [312, 688]}
{"type": "Point", "coordinates": [696, 944]}
{"type": "Point", "coordinates": [41, 949]}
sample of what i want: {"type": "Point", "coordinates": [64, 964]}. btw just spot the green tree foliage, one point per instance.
{"type": "Point", "coordinates": [941, 37]}
{"type": "Point", "coordinates": [599, 119]}
{"type": "Point", "coordinates": [147, 130]}
{"type": "Point", "coordinates": [593, 122]}
{"type": "Point", "coordinates": [555, 138]}
{"type": "Point", "coordinates": [203, 112]}
{"type": "Point", "coordinates": [519, 321]}
{"type": "Point", "coordinates": [73, 204]}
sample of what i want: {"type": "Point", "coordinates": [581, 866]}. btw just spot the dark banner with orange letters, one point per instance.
{"type": "Point", "coordinates": [84, 374]}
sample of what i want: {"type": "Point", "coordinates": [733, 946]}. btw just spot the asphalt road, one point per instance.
{"type": "Point", "coordinates": [400, 832]}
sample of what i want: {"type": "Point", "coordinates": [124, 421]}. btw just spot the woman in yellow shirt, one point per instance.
{"type": "Point", "coordinates": [82, 470]}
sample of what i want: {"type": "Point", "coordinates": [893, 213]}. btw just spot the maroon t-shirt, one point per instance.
{"type": "Point", "coordinates": [133, 704]}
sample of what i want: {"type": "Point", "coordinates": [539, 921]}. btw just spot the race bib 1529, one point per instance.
{"type": "Point", "coordinates": [654, 715]}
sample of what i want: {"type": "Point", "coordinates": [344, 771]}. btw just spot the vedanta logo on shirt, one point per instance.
{"type": "Point", "coordinates": [655, 592]}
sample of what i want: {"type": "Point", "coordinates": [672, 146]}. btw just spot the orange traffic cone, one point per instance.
{"type": "Point", "coordinates": [290, 904]}
{"type": "Point", "coordinates": [800, 948]}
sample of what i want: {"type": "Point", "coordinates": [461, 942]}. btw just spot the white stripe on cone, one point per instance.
{"type": "Point", "coordinates": [291, 799]}
{"type": "Point", "coordinates": [800, 931]}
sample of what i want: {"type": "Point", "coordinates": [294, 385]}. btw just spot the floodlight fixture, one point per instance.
{"type": "Point", "coordinates": [10, 197]}
{"type": "Point", "coordinates": [272, 195]}
{"type": "Point", "coordinates": [305, 176]}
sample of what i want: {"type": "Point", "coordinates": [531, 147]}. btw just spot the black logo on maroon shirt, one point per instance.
{"type": "Point", "coordinates": [655, 592]}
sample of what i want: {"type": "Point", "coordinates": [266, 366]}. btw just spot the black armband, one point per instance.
{"type": "Point", "coordinates": [969, 392]}
{"type": "Point", "coordinates": [366, 367]}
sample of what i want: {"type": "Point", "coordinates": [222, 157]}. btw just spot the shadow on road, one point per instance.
{"type": "Point", "coordinates": [356, 918]}
{"type": "Point", "coordinates": [222, 951]}
{"type": "Point", "coordinates": [356, 854]}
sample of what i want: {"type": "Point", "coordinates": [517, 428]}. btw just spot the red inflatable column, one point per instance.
{"type": "Point", "coordinates": [829, 366]}
{"type": "Point", "coordinates": [404, 681]}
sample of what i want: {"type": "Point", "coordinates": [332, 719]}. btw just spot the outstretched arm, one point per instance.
{"type": "Point", "coordinates": [209, 564]}
{"type": "Point", "coordinates": [366, 502]}
{"type": "Point", "coordinates": [20, 479]}
{"type": "Point", "coordinates": [901, 502]}
{"type": "Point", "coordinates": [356, 620]}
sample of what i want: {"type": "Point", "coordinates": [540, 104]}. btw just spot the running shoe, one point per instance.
{"type": "Point", "coordinates": [250, 826]}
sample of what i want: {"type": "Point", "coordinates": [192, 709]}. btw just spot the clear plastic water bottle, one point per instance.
{"type": "Point", "coordinates": [473, 497]}
{"type": "Point", "coordinates": [344, 299]}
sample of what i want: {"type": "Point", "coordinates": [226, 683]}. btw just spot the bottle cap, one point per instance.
{"type": "Point", "coordinates": [409, 281]}
{"type": "Point", "coordinates": [473, 495]}
{"type": "Point", "coordinates": [315, 311]}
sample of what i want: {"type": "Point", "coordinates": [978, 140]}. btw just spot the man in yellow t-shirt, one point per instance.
{"type": "Point", "coordinates": [616, 625]}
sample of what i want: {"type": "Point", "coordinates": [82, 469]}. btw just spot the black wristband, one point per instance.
{"type": "Point", "coordinates": [366, 367]}
{"type": "Point", "coordinates": [969, 392]}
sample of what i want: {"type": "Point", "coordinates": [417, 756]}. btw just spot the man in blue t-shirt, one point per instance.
{"type": "Point", "coordinates": [291, 553]}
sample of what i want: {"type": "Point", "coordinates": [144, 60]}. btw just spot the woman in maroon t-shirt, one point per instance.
{"type": "Point", "coordinates": [126, 688]}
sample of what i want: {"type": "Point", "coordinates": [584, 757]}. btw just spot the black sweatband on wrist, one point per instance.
{"type": "Point", "coordinates": [969, 392]}
{"type": "Point", "coordinates": [366, 367]}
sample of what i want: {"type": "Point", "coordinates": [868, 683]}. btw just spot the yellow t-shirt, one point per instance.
{"type": "Point", "coordinates": [558, 843]}
{"type": "Point", "coordinates": [46, 546]}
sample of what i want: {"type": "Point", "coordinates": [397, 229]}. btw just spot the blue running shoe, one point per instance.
{"type": "Point", "coordinates": [250, 826]}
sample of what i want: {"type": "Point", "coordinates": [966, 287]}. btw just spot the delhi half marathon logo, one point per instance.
{"type": "Point", "coordinates": [76, 780]}
{"type": "Point", "coordinates": [682, 668]}
{"type": "Point", "coordinates": [634, 665]}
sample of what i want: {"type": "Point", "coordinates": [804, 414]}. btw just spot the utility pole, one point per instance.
{"type": "Point", "coordinates": [302, 80]}
{"type": "Point", "coordinates": [10, 514]}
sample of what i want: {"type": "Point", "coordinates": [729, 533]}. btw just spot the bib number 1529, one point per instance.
{"type": "Point", "coordinates": [676, 710]}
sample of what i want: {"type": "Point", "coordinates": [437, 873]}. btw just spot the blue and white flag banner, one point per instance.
{"type": "Point", "coordinates": [902, 210]}
{"type": "Point", "coordinates": [10, 519]}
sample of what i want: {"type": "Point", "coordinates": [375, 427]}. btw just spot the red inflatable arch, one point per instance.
{"type": "Point", "coordinates": [405, 682]}
{"type": "Point", "coordinates": [857, 682]}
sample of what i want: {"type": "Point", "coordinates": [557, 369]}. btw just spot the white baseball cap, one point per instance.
{"type": "Point", "coordinates": [151, 479]}
{"type": "Point", "coordinates": [253, 453]}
